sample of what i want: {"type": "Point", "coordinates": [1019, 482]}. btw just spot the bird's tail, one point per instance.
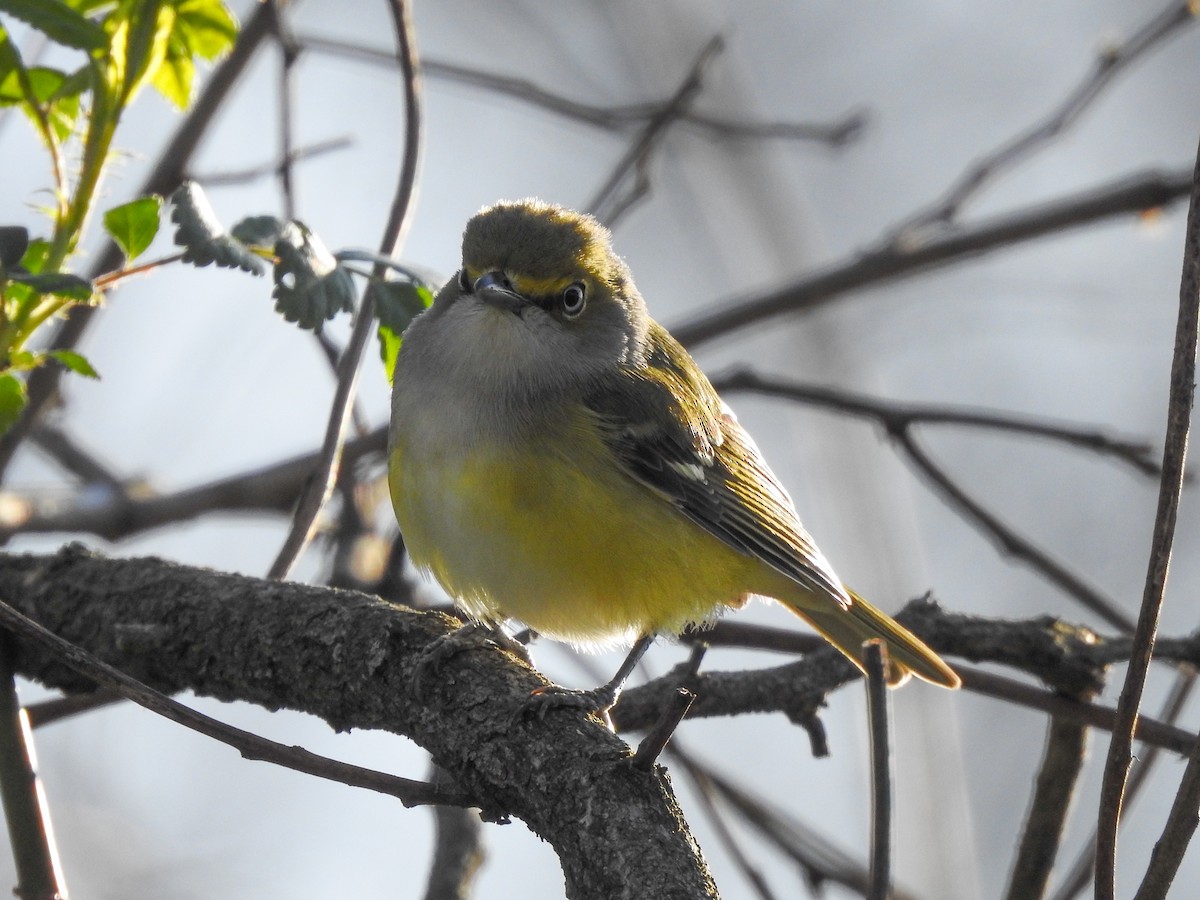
{"type": "Point", "coordinates": [849, 629]}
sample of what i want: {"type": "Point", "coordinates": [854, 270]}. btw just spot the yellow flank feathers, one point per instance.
{"type": "Point", "coordinates": [562, 541]}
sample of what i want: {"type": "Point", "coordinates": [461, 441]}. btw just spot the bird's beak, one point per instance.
{"type": "Point", "coordinates": [495, 289]}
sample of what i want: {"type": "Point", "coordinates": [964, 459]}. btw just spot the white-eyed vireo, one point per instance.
{"type": "Point", "coordinates": [557, 457]}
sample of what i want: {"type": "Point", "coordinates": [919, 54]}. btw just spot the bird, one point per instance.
{"type": "Point", "coordinates": [557, 458]}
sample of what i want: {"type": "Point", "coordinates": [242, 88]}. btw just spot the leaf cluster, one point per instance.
{"type": "Point", "coordinates": [114, 49]}
{"type": "Point", "coordinates": [311, 284]}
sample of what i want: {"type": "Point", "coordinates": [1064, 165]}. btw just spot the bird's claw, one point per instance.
{"type": "Point", "coordinates": [597, 701]}
{"type": "Point", "coordinates": [471, 636]}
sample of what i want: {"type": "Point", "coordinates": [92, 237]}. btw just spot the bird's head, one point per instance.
{"type": "Point", "coordinates": [551, 287]}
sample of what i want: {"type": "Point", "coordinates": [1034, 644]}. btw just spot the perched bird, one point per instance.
{"type": "Point", "coordinates": [558, 458]}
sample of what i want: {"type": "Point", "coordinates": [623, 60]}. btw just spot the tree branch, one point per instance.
{"type": "Point", "coordinates": [888, 261]}
{"type": "Point", "coordinates": [1179, 414]}
{"type": "Point", "coordinates": [349, 659]}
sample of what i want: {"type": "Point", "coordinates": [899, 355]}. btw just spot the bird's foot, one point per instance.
{"type": "Point", "coordinates": [597, 701]}
{"type": "Point", "coordinates": [471, 636]}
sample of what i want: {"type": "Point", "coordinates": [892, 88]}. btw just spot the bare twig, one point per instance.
{"type": "Point", "coordinates": [1111, 61]}
{"type": "Point", "coordinates": [896, 416]}
{"type": "Point", "coordinates": [886, 262]}
{"type": "Point", "coordinates": [458, 851]}
{"type": "Point", "coordinates": [269, 489]}
{"type": "Point", "coordinates": [250, 746]}
{"type": "Point", "coordinates": [110, 280]}
{"type": "Point", "coordinates": [39, 872]}
{"type": "Point", "coordinates": [836, 133]}
{"type": "Point", "coordinates": [875, 660]}
{"type": "Point", "coordinates": [321, 484]}
{"type": "Point", "coordinates": [821, 861]}
{"type": "Point", "coordinates": [1066, 747]}
{"type": "Point", "coordinates": [288, 54]}
{"type": "Point", "coordinates": [1177, 833]}
{"type": "Point", "coordinates": [653, 744]}
{"type": "Point", "coordinates": [706, 791]}
{"type": "Point", "coordinates": [1149, 731]}
{"type": "Point", "coordinates": [234, 177]}
{"type": "Point", "coordinates": [607, 204]}
{"type": "Point", "coordinates": [1085, 864]}
{"type": "Point", "coordinates": [47, 712]}
{"type": "Point", "coordinates": [1179, 411]}
{"type": "Point", "coordinates": [1009, 540]}
{"type": "Point", "coordinates": [65, 451]}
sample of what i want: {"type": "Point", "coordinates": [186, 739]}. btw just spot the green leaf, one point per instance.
{"type": "Point", "coordinates": [14, 241]}
{"type": "Point", "coordinates": [60, 284]}
{"type": "Point", "coordinates": [59, 22]}
{"type": "Point", "coordinates": [145, 27]}
{"type": "Point", "coordinates": [205, 27]}
{"type": "Point", "coordinates": [133, 225]}
{"type": "Point", "coordinates": [11, 68]}
{"type": "Point", "coordinates": [76, 362]}
{"type": "Point", "coordinates": [310, 286]}
{"type": "Point", "coordinates": [200, 234]}
{"type": "Point", "coordinates": [12, 400]}
{"type": "Point", "coordinates": [389, 350]}
{"type": "Point", "coordinates": [397, 302]}
{"type": "Point", "coordinates": [201, 28]}
{"type": "Point", "coordinates": [35, 256]}
{"type": "Point", "coordinates": [43, 91]}
{"type": "Point", "coordinates": [173, 79]}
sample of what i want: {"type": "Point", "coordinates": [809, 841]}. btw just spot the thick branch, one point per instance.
{"type": "Point", "coordinates": [349, 659]}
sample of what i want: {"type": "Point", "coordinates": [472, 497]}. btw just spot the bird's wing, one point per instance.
{"type": "Point", "coordinates": [671, 432]}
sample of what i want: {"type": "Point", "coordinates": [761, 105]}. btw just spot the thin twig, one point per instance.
{"type": "Point", "coordinates": [821, 861]}
{"type": "Point", "coordinates": [1081, 871]}
{"type": "Point", "coordinates": [606, 204]}
{"type": "Point", "coordinates": [652, 744]}
{"type": "Point", "coordinates": [887, 262]}
{"type": "Point", "coordinates": [65, 451]}
{"type": "Point", "coordinates": [39, 872]}
{"type": "Point", "coordinates": [237, 177]}
{"type": "Point", "coordinates": [271, 489]}
{"type": "Point", "coordinates": [288, 54]}
{"type": "Point", "coordinates": [1111, 61]}
{"type": "Point", "coordinates": [109, 280]}
{"type": "Point", "coordinates": [706, 792]}
{"type": "Point", "coordinates": [896, 416]}
{"type": "Point", "coordinates": [1097, 715]}
{"type": "Point", "coordinates": [836, 133]}
{"type": "Point", "coordinates": [250, 746]}
{"type": "Point", "coordinates": [876, 662]}
{"type": "Point", "coordinates": [458, 847]}
{"type": "Point", "coordinates": [1066, 748]}
{"type": "Point", "coordinates": [323, 479]}
{"type": "Point", "coordinates": [47, 712]}
{"type": "Point", "coordinates": [1176, 835]}
{"type": "Point", "coordinates": [1179, 411]}
{"type": "Point", "coordinates": [329, 350]}
{"type": "Point", "coordinates": [1009, 540]}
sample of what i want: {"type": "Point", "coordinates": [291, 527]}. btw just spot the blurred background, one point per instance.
{"type": "Point", "coordinates": [202, 379]}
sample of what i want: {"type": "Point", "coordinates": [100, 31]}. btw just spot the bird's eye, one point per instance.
{"type": "Point", "coordinates": [574, 297]}
{"type": "Point", "coordinates": [464, 280]}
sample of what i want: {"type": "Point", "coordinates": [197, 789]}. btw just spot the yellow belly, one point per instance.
{"type": "Point", "coordinates": [591, 559]}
